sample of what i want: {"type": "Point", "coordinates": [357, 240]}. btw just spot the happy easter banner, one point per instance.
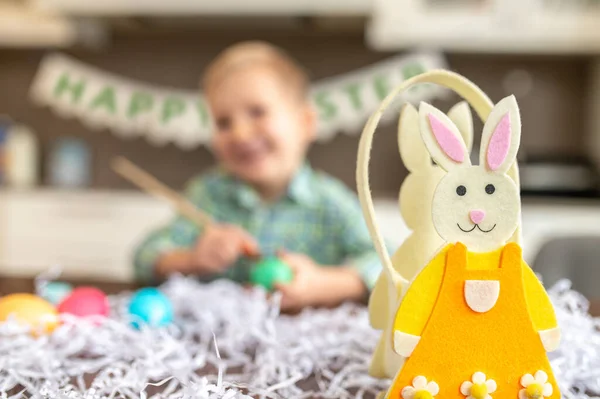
{"type": "Point", "coordinates": [162, 115]}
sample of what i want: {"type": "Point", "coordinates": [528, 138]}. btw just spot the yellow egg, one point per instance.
{"type": "Point", "coordinates": [39, 314]}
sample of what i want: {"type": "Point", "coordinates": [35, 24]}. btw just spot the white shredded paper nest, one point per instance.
{"type": "Point", "coordinates": [229, 342]}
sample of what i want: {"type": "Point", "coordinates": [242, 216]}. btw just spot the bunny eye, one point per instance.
{"type": "Point", "coordinates": [490, 189]}
{"type": "Point", "coordinates": [461, 190]}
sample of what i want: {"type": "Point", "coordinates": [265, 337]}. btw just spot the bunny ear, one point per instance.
{"type": "Point", "coordinates": [412, 149]}
{"type": "Point", "coordinates": [442, 138]}
{"type": "Point", "coordinates": [501, 136]}
{"type": "Point", "coordinates": [461, 115]}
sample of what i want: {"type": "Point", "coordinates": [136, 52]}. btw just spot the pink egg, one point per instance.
{"type": "Point", "coordinates": [85, 301]}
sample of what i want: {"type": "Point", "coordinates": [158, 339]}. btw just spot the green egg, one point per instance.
{"type": "Point", "coordinates": [269, 271]}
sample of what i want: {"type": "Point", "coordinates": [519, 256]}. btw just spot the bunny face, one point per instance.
{"type": "Point", "coordinates": [476, 208]}
{"type": "Point", "coordinates": [476, 205]}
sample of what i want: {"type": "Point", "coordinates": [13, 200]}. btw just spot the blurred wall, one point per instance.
{"type": "Point", "coordinates": [551, 112]}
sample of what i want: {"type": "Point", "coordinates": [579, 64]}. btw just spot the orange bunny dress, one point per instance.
{"type": "Point", "coordinates": [479, 318]}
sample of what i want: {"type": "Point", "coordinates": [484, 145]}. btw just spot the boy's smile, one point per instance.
{"type": "Point", "coordinates": [250, 152]}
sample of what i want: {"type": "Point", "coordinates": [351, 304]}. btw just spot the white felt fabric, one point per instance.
{"type": "Point", "coordinates": [482, 295]}
{"type": "Point", "coordinates": [460, 114]}
{"type": "Point", "coordinates": [450, 211]}
{"type": "Point", "coordinates": [507, 105]}
{"type": "Point", "coordinates": [432, 143]}
{"type": "Point", "coordinates": [550, 339]}
{"type": "Point", "coordinates": [405, 344]}
{"type": "Point", "coordinates": [412, 149]}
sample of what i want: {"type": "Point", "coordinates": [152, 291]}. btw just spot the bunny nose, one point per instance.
{"type": "Point", "coordinates": [476, 216]}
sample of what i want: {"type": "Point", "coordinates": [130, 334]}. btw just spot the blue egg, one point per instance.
{"type": "Point", "coordinates": [151, 307]}
{"type": "Point", "coordinates": [55, 291]}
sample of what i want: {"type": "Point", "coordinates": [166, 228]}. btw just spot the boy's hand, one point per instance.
{"type": "Point", "coordinates": [316, 285]}
{"type": "Point", "coordinates": [299, 292]}
{"type": "Point", "coordinates": [220, 246]}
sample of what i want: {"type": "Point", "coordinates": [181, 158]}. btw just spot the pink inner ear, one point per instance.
{"type": "Point", "coordinates": [447, 140]}
{"type": "Point", "coordinates": [499, 143]}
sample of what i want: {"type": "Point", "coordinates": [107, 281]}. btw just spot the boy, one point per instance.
{"type": "Point", "coordinates": [263, 194]}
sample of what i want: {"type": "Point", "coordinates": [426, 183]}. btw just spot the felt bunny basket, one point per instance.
{"type": "Point", "coordinates": [475, 322]}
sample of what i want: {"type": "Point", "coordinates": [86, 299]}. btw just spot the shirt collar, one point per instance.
{"type": "Point", "coordinates": [299, 189]}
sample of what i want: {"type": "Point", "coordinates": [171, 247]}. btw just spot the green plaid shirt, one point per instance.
{"type": "Point", "coordinates": [319, 217]}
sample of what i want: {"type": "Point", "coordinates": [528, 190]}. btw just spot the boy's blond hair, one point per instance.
{"type": "Point", "coordinates": [257, 53]}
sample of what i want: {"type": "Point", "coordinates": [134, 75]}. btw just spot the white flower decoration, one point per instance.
{"type": "Point", "coordinates": [479, 388]}
{"type": "Point", "coordinates": [535, 387]}
{"type": "Point", "coordinates": [421, 389]}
